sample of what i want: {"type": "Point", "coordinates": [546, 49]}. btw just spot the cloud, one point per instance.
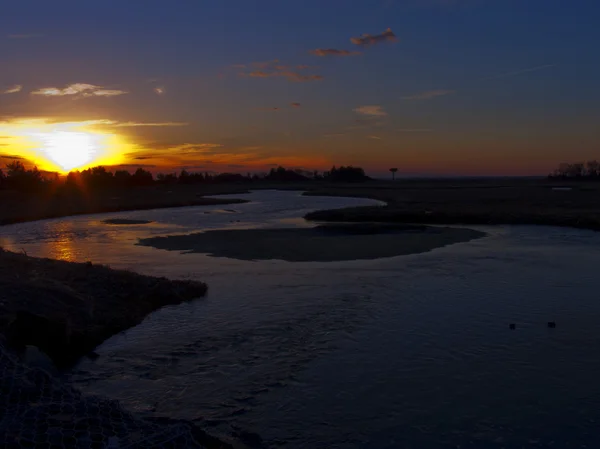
{"type": "Point", "coordinates": [372, 110]}
{"type": "Point", "coordinates": [268, 109]}
{"type": "Point", "coordinates": [519, 72]}
{"type": "Point", "coordinates": [135, 124]}
{"type": "Point", "coordinates": [261, 74]}
{"type": "Point", "coordinates": [271, 69]}
{"type": "Point", "coordinates": [429, 94]}
{"type": "Point", "coordinates": [367, 39]}
{"type": "Point", "coordinates": [265, 64]}
{"type": "Point", "coordinates": [299, 78]}
{"type": "Point", "coordinates": [323, 52]}
{"type": "Point", "coordinates": [107, 93]}
{"type": "Point", "coordinates": [24, 36]}
{"type": "Point", "coordinates": [159, 90]}
{"type": "Point", "coordinates": [374, 137]}
{"type": "Point", "coordinates": [86, 90]}
{"type": "Point", "coordinates": [295, 105]}
{"type": "Point", "coordinates": [12, 90]}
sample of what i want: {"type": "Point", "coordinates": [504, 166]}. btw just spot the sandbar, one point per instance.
{"type": "Point", "coordinates": [327, 243]}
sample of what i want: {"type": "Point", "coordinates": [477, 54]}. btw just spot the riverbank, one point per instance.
{"type": "Point", "coordinates": [521, 201]}
{"type": "Point", "coordinates": [470, 202]}
{"type": "Point", "coordinates": [67, 309]}
{"type": "Point", "coordinates": [19, 207]}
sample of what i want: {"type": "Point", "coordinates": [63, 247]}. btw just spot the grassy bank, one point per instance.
{"type": "Point", "coordinates": [67, 309]}
{"type": "Point", "coordinates": [18, 207]}
{"type": "Point", "coordinates": [517, 202]}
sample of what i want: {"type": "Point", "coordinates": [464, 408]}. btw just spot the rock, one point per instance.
{"type": "Point", "coordinates": [28, 329]}
{"type": "Point", "coordinates": [35, 358]}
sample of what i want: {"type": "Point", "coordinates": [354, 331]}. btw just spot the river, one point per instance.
{"type": "Point", "coordinates": [403, 352]}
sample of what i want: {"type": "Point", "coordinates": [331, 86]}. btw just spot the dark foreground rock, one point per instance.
{"type": "Point", "coordinates": [39, 410]}
{"type": "Point", "coordinates": [67, 309]}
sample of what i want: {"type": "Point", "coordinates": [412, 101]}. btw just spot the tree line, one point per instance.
{"type": "Point", "coordinates": [18, 177]}
{"type": "Point", "coordinates": [577, 170]}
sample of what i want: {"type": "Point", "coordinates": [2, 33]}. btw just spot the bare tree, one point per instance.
{"type": "Point", "coordinates": [393, 170]}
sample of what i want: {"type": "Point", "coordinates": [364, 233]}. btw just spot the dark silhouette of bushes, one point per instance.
{"type": "Point", "coordinates": [17, 177]}
{"type": "Point", "coordinates": [589, 170]}
{"type": "Point", "coordinates": [284, 175]}
{"type": "Point", "coordinates": [346, 174]}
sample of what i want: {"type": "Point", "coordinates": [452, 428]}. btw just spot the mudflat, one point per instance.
{"type": "Point", "coordinates": [515, 201]}
{"type": "Point", "coordinates": [319, 244]}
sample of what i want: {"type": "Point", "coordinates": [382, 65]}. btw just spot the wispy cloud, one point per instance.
{"type": "Point", "coordinates": [83, 89]}
{"type": "Point", "coordinates": [108, 92]}
{"type": "Point", "coordinates": [371, 110]}
{"type": "Point", "coordinates": [519, 72]}
{"type": "Point", "coordinates": [24, 36]}
{"type": "Point", "coordinates": [12, 90]}
{"type": "Point", "coordinates": [367, 40]}
{"type": "Point", "coordinates": [271, 69]}
{"type": "Point", "coordinates": [300, 78]}
{"type": "Point", "coordinates": [275, 108]}
{"type": "Point", "coordinates": [157, 124]}
{"type": "Point", "coordinates": [295, 105]}
{"type": "Point", "coordinates": [159, 90]}
{"type": "Point", "coordinates": [429, 94]}
{"type": "Point", "coordinates": [374, 137]}
{"type": "Point", "coordinates": [324, 52]}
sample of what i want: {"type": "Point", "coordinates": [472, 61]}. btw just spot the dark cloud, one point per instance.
{"type": "Point", "coordinates": [295, 105]}
{"type": "Point", "coordinates": [369, 39]}
{"type": "Point", "coordinates": [323, 52]}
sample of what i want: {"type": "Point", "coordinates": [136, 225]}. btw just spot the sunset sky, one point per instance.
{"type": "Point", "coordinates": [429, 86]}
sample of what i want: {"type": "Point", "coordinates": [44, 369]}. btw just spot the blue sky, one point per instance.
{"type": "Point", "coordinates": [459, 86]}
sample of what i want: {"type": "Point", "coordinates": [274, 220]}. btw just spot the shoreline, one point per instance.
{"type": "Point", "coordinates": [67, 309]}
{"type": "Point", "coordinates": [110, 209]}
{"type": "Point", "coordinates": [434, 202]}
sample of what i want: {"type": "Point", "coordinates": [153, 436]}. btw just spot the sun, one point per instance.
{"type": "Point", "coordinates": [65, 146]}
{"type": "Point", "coordinates": [70, 149]}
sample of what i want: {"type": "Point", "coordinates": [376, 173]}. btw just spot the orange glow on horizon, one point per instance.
{"type": "Point", "coordinates": [63, 146]}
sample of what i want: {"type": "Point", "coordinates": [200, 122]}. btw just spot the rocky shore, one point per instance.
{"type": "Point", "coordinates": [67, 309]}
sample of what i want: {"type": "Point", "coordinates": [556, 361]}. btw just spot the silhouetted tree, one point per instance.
{"type": "Point", "coordinates": [578, 170]}
{"type": "Point", "coordinates": [282, 174]}
{"type": "Point", "coordinates": [142, 177]}
{"type": "Point", "coordinates": [19, 178]}
{"type": "Point", "coordinates": [592, 168]}
{"type": "Point", "coordinates": [393, 170]}
{"type": "Point", "coordinates": [345, 174]}
{"type": "Point", "coordinates": [97, 178]}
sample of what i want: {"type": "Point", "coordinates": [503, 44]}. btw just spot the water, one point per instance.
{"type": "Point", "coordinates": [411, 352]}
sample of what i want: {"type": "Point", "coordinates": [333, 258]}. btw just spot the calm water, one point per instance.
{"type": "Point", "coordinates": [405, 352]}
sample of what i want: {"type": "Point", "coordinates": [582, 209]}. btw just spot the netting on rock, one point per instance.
{"type": "Point", "coordinates": [38, 410]}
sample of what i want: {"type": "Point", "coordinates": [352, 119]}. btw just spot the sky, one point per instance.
{"type": "Point", "coordinates": [437, 87]}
